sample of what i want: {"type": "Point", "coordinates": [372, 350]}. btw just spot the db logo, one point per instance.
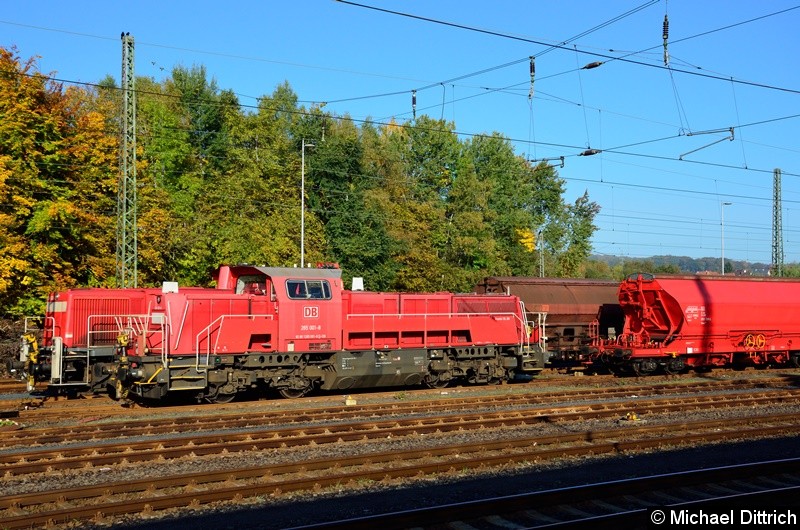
{"type": "Point", "coordinates": [311, 312]}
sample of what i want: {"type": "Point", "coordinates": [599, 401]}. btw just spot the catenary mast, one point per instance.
{"type": "Point", "coordinates": [777, 225]}
{"type": "Point", "coordinates": [126, 189]}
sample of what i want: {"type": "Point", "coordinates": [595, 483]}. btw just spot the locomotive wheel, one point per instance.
{"type": "Point", "coordinates": [619, 371]}
{"type": "Point", "coordinates": [293, 393]}
{"type": "Point", "coordinates": [221, 398]}
{"type": "Point", "coordinates": [215, 395]}
{"type": "Point", "coordinates": [436, 382]}
{"type": "Point", "coordinates": [796, 361]}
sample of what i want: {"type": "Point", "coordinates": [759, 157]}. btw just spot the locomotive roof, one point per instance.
{"type": "Point", "coordinates": [294, 272]}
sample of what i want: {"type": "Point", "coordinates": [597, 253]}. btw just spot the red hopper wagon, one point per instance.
{"type": "Point", "coordinates": [673, 323]}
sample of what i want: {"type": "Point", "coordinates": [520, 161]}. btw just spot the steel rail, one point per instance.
{"type": "Point", "coordinates": [607, 503]}
{"type": "Point", "coordinates": [337, 471]}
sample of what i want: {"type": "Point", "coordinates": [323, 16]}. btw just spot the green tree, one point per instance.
{"type": "Point", "coordinates": [252, 214]}
{"type": "Point", "coordinates": [580, 228]}
{"type": "Point", "coordinates": [509, 191]}
{"type": "Point", "coordinates": [599, 270]}
{"type": "Point", "coordinates": [633, 266]}
{"type": "Point", "coordinates": [337, 188]}
{"type": "Point", "coordinates": [183, 139]}
{"type": "Point", "coordinates": [412, 197]}
{"type": "Point", "coordinates": [471, 252]}
{"type": "Point", "coordinates": [791, 270]}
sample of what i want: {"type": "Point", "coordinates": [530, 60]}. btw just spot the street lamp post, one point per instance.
{"type": "Point", "coordinates": [303, 201]}
{"type": "Point", "coordinates": [722, 233]}
{"type": "Point", "coordinates": [541, 253]}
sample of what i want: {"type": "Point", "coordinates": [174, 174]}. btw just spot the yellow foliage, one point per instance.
{"type": "Point", "coordinates": [527, 238]}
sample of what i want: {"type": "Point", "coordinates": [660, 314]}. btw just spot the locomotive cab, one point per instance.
{"type": "Point", "coordinates": [254, 329]}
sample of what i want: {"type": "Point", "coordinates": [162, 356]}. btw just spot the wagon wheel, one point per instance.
{"type": "Point", "coordinates": [216, 395]}
{"type": "Point", "coordinates": [645, 367]}
{"type": "Point", "coordinates": [675, 366]}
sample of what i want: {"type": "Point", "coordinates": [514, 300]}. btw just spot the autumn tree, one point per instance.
{"type": "Point", "coordinates": [408, 206]}
{"type": "Point", "coordinates": [57, 182]}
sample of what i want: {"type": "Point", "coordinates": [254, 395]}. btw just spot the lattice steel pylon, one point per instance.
{"type": "Point", "coordinates": [127, 252]}
{"type": "Point", "coordinates": [777, 225]}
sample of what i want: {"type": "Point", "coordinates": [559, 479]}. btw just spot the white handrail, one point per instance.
{"type": "Point", "coordinates": [218, 329]}
{"type": "Point", "coordinates": [522, 335]}
{"type": "Point", "coordinates": [29, 327]}
{"type": "Point", "coordinates": [135, 325]}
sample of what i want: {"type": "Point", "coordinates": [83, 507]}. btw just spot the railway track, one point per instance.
{"type": "Point", "coordinates": [196, 489]}
{"type": "Point", "coordinates": [506, 426]}
{"type": "Point", "coordinates": [35, 412]}
{"type": "Point", "coordinates": [9, 386]}
{"type": "Point", "coordinates": [607, 505]}
{"type": "Point", "coordinates": [172, 445]}
{"type": "Point", "coordinates": [423, 416]}
{"type": "Point", "coordinates": [268, 454]}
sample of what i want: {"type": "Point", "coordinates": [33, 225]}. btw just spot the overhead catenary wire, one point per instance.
{"type": "Point", "coordinates": [642, 142]}
{"type": "Point", "coordinates": [738, 124]}
{"type": "Point", "coordinates": [550, 47]}
{"type": "Point", "coordinates": [616, 150]}
{"type": "Point", "coordinates": [596, 54]}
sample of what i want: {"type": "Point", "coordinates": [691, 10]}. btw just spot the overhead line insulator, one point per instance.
{"type": "Point", "coordinates": [533, 74]}
{"type": "Point", "coordinates": [557, 159]}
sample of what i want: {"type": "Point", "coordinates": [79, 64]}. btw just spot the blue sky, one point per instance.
{"type": "Point", "coordinates": [667, 163]}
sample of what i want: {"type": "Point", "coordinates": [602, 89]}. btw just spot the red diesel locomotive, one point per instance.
{"type": "Point", "coordinates": [288, 329]}
{"type": "Point", "coordinates": [676, 323]}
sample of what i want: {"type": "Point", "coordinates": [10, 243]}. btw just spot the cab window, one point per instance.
{"type": "Point", "coordinates": [308, 289]}
{"type": "Point", "coordinates": [251, 284]}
